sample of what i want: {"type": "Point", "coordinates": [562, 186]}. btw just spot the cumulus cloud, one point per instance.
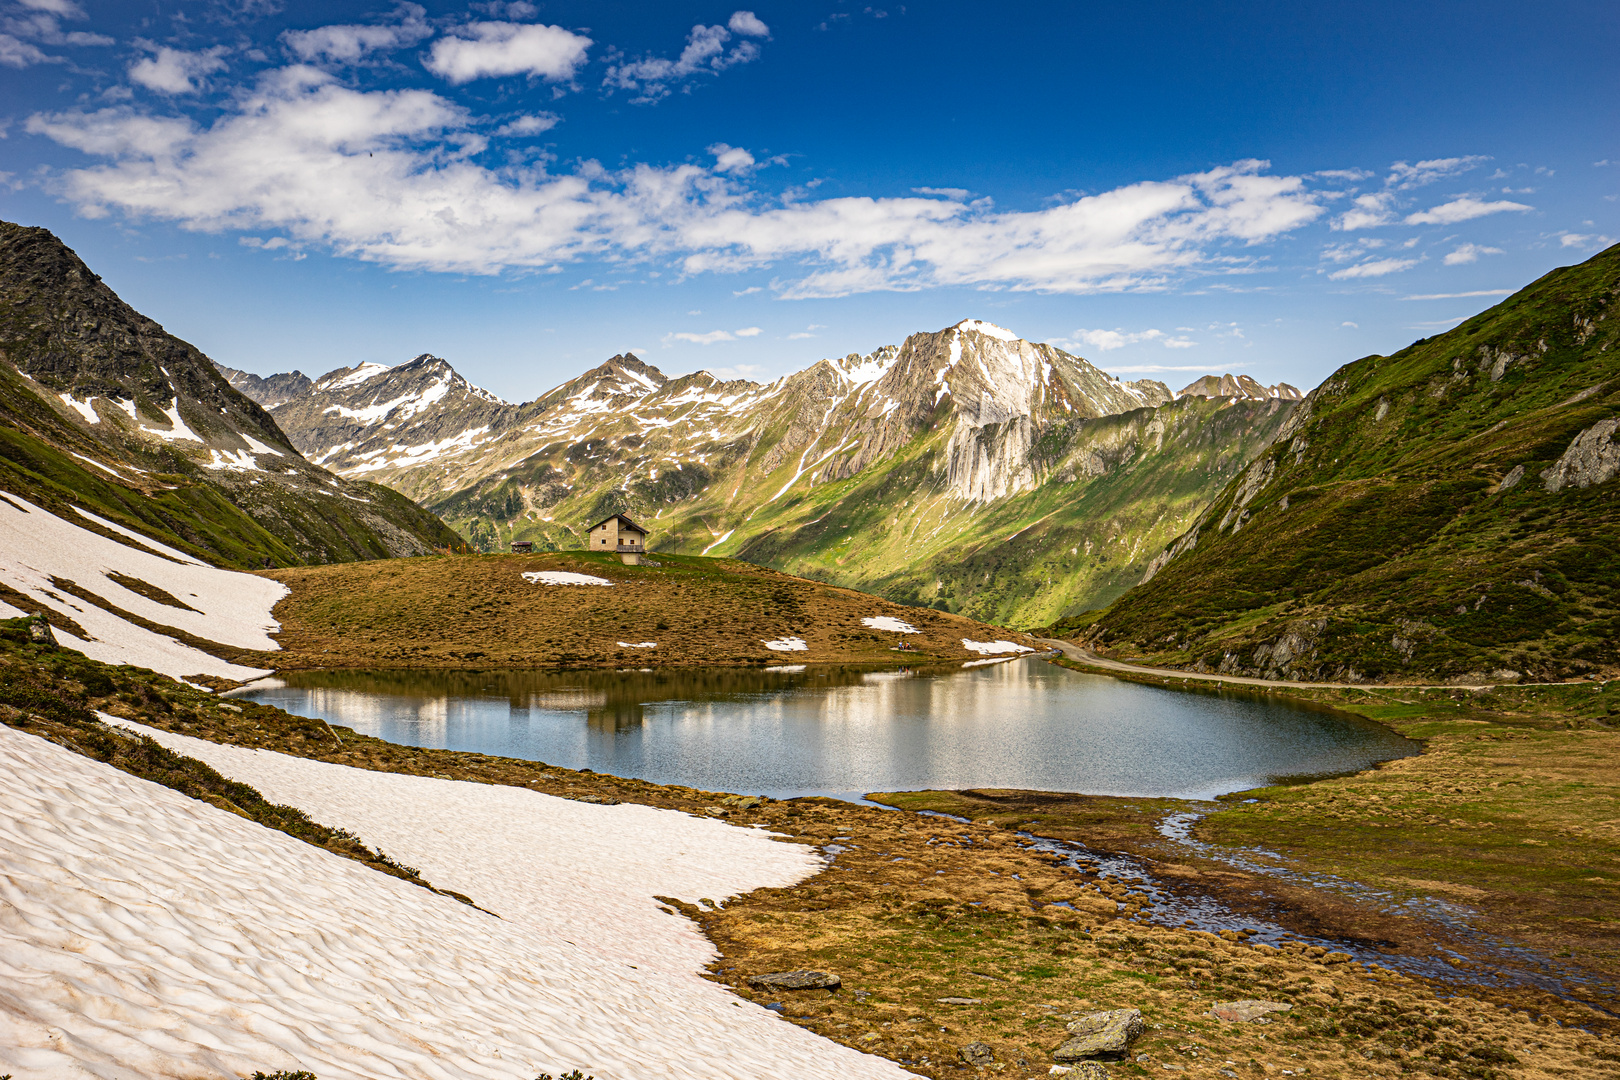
{"type": "Point", "coordinates": [1367, 211]}
{"type": "Point", "coordinates": [713, 336]}
{"type": "Point", "coordinates": [1374, 268]}
{"type": "Point", "coordinates": [38, 22]}
{"type": "Point", "coordinates": [348, 43]}
{"type": "Point", "coordinates": [748, 24]}
{"type": "Point", "coordinates": [1571, 240]}
{"type": "Point", "coordinates": [1467, 253]}
{"type": "Point", "coordinates": [392, 177]}
{"type": "Point", "coordinates": [705, 53]}
{"type": "Point", "coordinates": [63, 8]}
{"type": "Point", "coordinates": [492, 49]}
{"type": "Point", "coordinates": [1464, 209]}
{"type": "Point", "coordinates": [173, 71]}
{"type": "Point", "coordinates": [731, 159]}
{"type": "Point", "coordinates": [1460, 295]}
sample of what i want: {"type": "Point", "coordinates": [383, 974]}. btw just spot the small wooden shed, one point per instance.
{"type": "Point", "coordinates": [619, 535]}
{"type": "Point", "coordinates": [522, 547]}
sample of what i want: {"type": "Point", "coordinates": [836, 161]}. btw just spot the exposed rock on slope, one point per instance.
{"type": "Point", "coordinates": [99, 407]}
{"type": "Point", "coordinates": [891, 471]}
{"type": "Point", "coordinates": [1393, 529]}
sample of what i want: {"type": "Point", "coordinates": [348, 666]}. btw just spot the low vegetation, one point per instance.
{"type": "Point", "coordinates": [479, 611]}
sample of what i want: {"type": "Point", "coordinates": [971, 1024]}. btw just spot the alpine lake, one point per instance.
{"type": "Point", "coordinates": [805, 730]}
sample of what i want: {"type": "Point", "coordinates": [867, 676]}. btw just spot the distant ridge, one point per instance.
{"type": "Point", "coordinates": [1238, 386]}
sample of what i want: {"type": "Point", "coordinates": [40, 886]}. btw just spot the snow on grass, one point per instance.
{"type": "Point", "coordinates": [787, 644]}
{"type": "Point", "coordinates": [638, 645]}
{"type": "Point", "coordinates": [238, 460]}
{"type": "Point", "coordinates": [155, 935]}
{"type": "Point", "coordinates": [225, 606]}
{"type": "Point", "coordinates": [990, 648]}
{"type": "Point", "coordinates": [889, 622]}
{"type": "Point", "coordinates": [163, 549]}
{"type": "Point", "coordinates": [563, 577]}
{"type": "Point", "coordinates": [718, 542]}
{"type": "Point", "coordinates": [365, 371]}
{"type": "Point", "coordinates": [258, 447]}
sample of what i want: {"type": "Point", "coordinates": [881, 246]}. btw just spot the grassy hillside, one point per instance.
{"type": "Point", "coordinates": [479, 611]}
{"type": "Point", "coordinates": [1421, 514]}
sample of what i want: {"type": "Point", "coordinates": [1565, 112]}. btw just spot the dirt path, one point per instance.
{"type": "Point", "coordinates": [1075, 652]}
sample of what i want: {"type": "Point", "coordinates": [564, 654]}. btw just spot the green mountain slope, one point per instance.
{"type": "Point", "coordinates": [1447, 511]}
{"type": "Point", "coordinates": [102, 409]}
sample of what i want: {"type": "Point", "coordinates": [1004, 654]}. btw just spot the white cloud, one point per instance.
{"type": "Point", "coordinates": [1571, 240]}
{"type": "Point", "coordinates": [1464, 209]}
{"type": "Point", "coordinates": [390, 177]}
{"type": "Point", "coordinates": [736, 371]}
{"type": "Point", "coordinates": [530, 125]}
{"type": "Point", "coordinates": [1351, 325]}
{"type": "Point", "coordinates": [1349, 176]}
{"type": "Point", "coordinates": [171, 71]}
{"type": "Point", "coordinates": [345, 44]}
{"type": "Point", "coordinates": [1367, 211]}
{"type": "Point", "coordinates": [20, 54]}
{"type": "Point", "coordinates": [1374, 268]}
{"type": "Point", "coordinates": [64, 8]}
{"type": "Point", "coordinates": [1467, 253]}
{"type": "Point", "coordinates": [705, 53]}
{"type": "Point", "coordinates": [1404, 176]}
{"type": "Point", "coordinates": [800, 335]}
{"type": "Point", "coordinates": [1460, 295]}
{"type": "Point", "coordinates": [955, 193]}
{"type": "Point", "coordinates": [492, 49]}
{"type": "Point", "coordinates": [713, 336]}
{"type": "Point", "coordinates": [748, 24]}
{"type": "Point", "coordinates": [1109, 340]}
{"type": "Point", "coordinates": [731, 159]}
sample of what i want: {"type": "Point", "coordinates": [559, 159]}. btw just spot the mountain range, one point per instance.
{"type": "Point", "coordinates": [966, 469]}
{"type": "Point", "coordinates": [101, 409]}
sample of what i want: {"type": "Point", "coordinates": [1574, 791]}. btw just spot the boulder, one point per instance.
{"type": "Point", "coordinates": [977, 1053]}
{"type": "Point", "coordinates": [39, 632]}
{"type": "Point", "coordinates": [1102, 1034]}
{"type": "Point", "coordinates": [959, 1001]}
{"type": "Point", "coordinates": [795, 980]}
{"type": "Point", "coordinates": [1244, 1012]}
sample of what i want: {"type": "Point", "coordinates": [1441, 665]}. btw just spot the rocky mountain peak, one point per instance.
{"type": "Point", "coordinates": [1238, 386]}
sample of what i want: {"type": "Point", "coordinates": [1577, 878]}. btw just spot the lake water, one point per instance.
{"type": "Point", "coordinates": [841, 731]}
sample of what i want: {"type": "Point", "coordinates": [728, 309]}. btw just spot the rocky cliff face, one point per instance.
{"type": "Point", "coordinates": [1243, 386]}
{"type": "Point", "coordinates": [1445, 512]}
{"type": "Point", "coordinates": [98, 402]}
{"type": "Point", "coordinates": [965, 426]}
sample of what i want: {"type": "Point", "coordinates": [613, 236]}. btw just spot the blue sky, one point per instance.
{"type": "Point", "coordinates": [526, 189]}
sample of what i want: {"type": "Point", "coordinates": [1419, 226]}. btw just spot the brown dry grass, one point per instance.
{"type": "Point", "coordinates": [478, 611]}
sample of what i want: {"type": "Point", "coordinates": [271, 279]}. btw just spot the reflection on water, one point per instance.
{"type": "Point", "coordinates": [830, 730]}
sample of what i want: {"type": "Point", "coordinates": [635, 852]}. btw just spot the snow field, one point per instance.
{"type": "Point", "coordinates": [563, 577]}
{"type": "Point", "coordinates": [990, 648]}
{"type": "Point", "coordinates": [787, 644]}
{"type": "Point", "coordinates": [889, 622]}
{"type": "Point", "coordinates": [145, 934]}
{"type": "Point", "coordinates": [228, 607]}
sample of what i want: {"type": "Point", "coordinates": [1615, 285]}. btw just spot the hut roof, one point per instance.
{"type": "Point", "coordinates": [622, 520]}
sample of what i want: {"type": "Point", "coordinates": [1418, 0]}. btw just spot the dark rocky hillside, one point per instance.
{"type": "Point", "coordinates": [1450, 511]}
{"type": "Point", "coordinates": [101, 408]}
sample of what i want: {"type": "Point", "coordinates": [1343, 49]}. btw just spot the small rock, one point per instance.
{"type": "Point", "coordinates": [39, 632]}
{"type": "Point", "coordinates": [1243, 1012]}
{"type": "Point", "coordinates": [599, 800]}
{"type": "Point", "coordinates": [777, 1007]}
{"type": "Point", "coordinates": [746, 802]}
{"type": "Point", "coordinates": [959, 1001]}
{"type": "Point", "coordinates": [1102, 1034]}
{"type": "Point", "coordinates": [795, 980]}
{"type": "Point", "coordinates": [1085, 1070]}
{"type": "Point", "coordinates": [977, 1053]}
